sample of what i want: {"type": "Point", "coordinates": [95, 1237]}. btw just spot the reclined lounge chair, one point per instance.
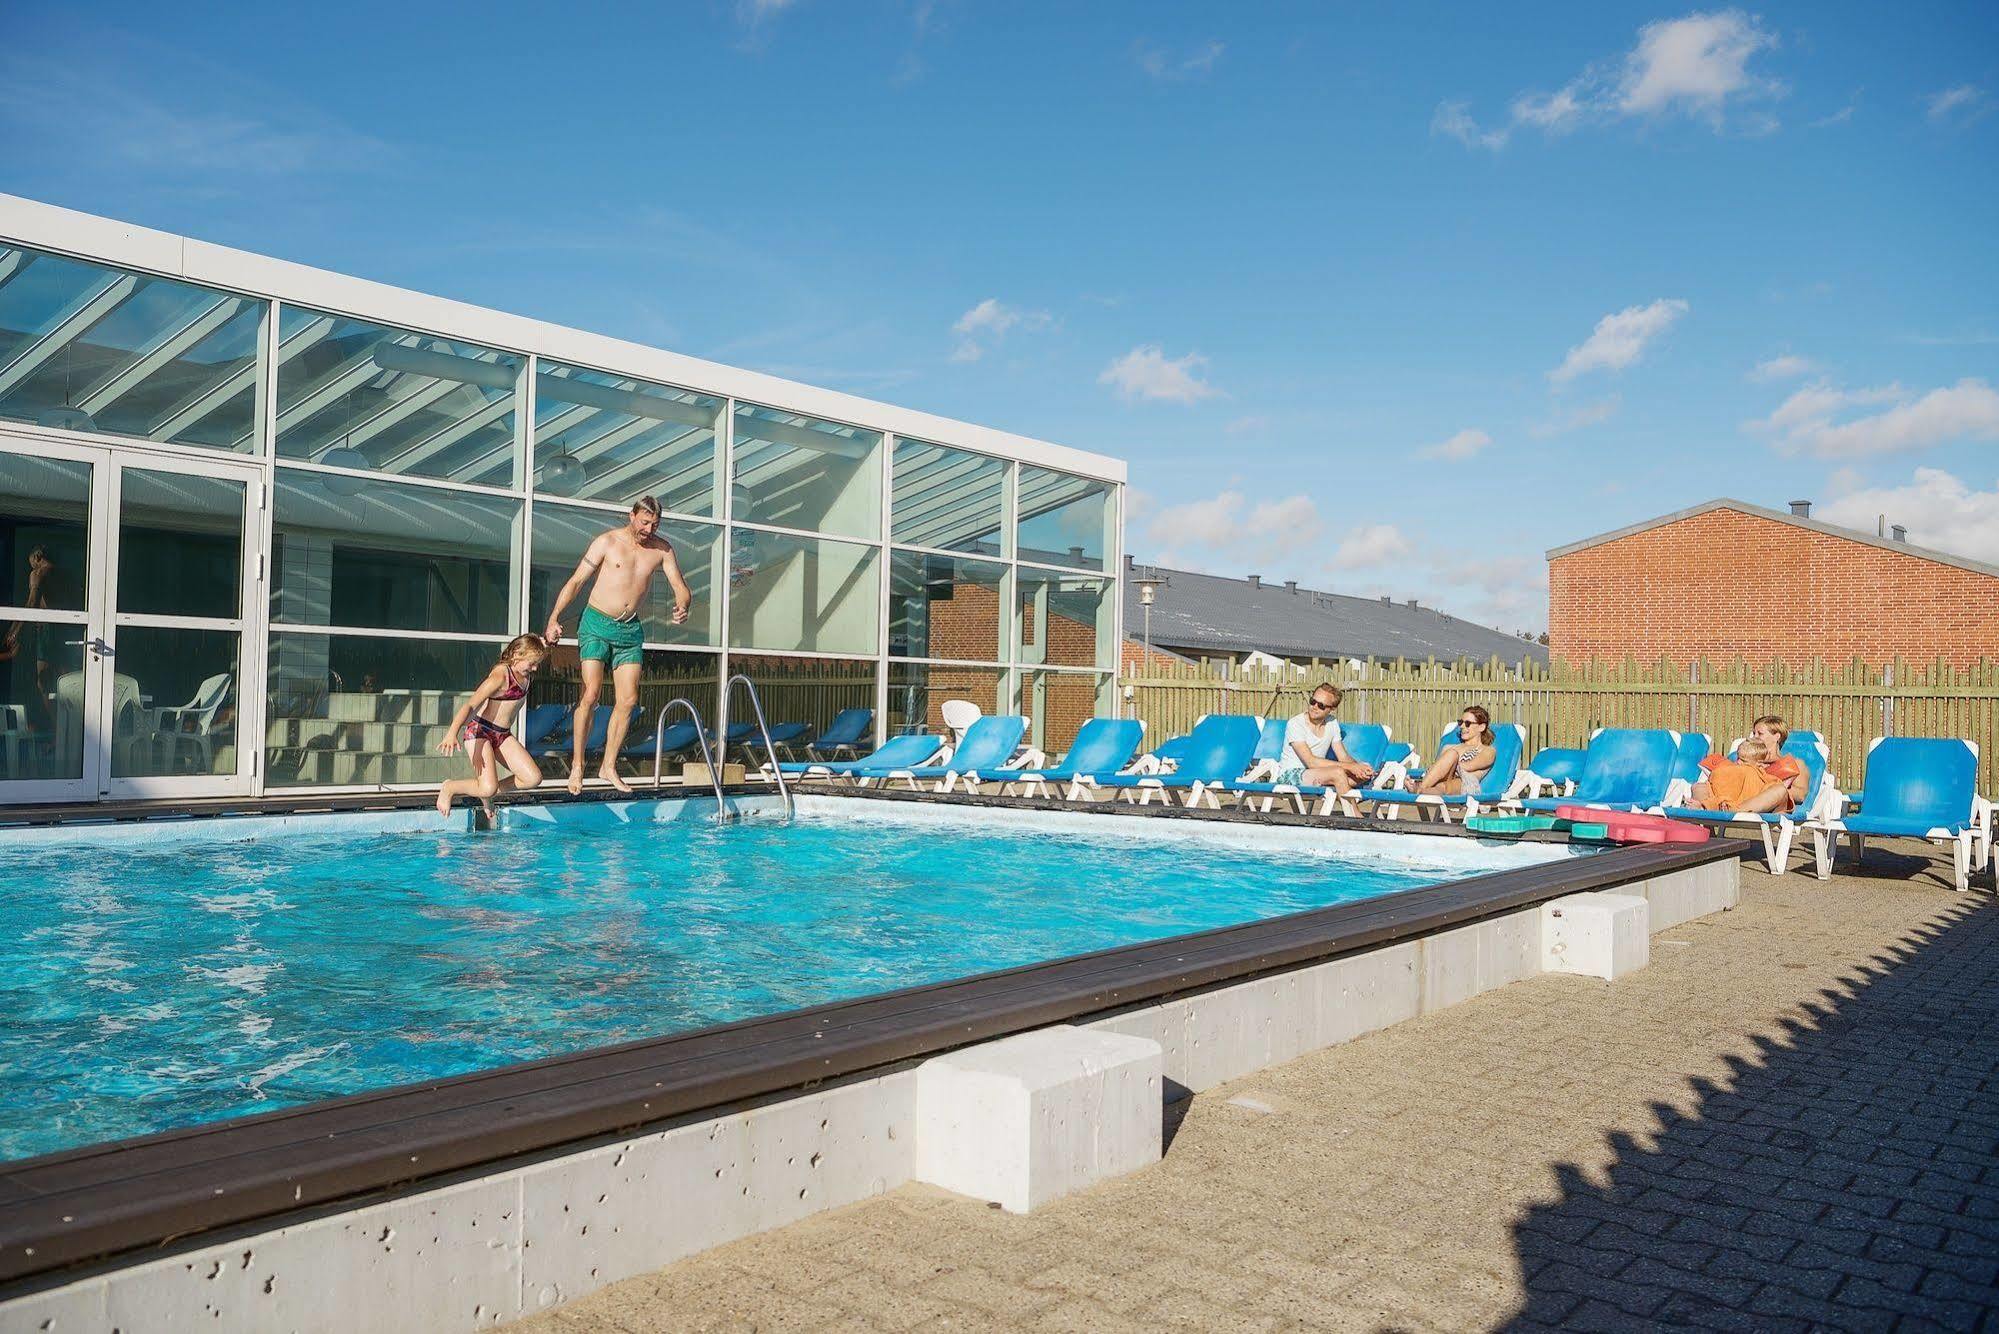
{"type": "Point", "coordinates": [1103, 748]}
{"type": "Point", "coordinates": [1916, 787]}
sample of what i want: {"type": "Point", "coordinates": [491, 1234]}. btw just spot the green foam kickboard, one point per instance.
{"type": "Point", "coordinates": [1510, 824]}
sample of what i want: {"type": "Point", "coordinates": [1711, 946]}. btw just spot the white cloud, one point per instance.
{"type": "Point", "coordinates": [1619, 339]}
{"type": "Point", "coordinates": [1463, 445]}
{"type": "Point", "coordinates": [1453, 120]}
{"type": "Point", "coordinates": [1785, 367]}
{"type": "Point", "coordinates": [1215, 522]}
{"type": "Point", "coordinates": [1697, 66]}
{"type": "Point", "coordinates": [1147, 373]}
{"type": "Point", "coordinates": [1820, 419]}
{"type": "Point", "coordinates": [1578, 418]}
{"type": "Point", "coordinates": [1959, 106]}
{"type": "Point", "coordinates": [1371, 545]}
{"type": "Point", "coordinates": [988, 322]}
{"type": "Point", "coordinates": [1937, 508]}
{"type": "Point", "coordinates": [1247, 425]}
{"type": "Point", "coordinates": [1197, 63]}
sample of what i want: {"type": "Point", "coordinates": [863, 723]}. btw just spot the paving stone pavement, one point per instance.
{"type": "Point", "coordinates": [1790, 1120]}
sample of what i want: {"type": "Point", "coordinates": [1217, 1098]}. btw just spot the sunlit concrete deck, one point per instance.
{"type": "Point", "coordinates": [1789, 1119]}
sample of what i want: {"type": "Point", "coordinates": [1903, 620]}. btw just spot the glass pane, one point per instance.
{"type": "Point", "coordinates": [607, 437]}
{"type": "Point", "coordinates": [346, 709]}
{"type": "Point", "coordinates": [358, 395]}
{"type": "Point", "coordinates": [90, 348]}
{"type": "Point", "coordinates": [944, 607]}
{"type": "Point", "coordinates": [1064, 520]}
{"type": "Point", "coordinates": [173, 702]}
{"type": "Point", "coordinates": [1065, 620]}
{"type": "Point", "coordinates": [789, 593]}
{"type": "Point", "coordinates": [948, 498]}
{"type": "Point", "coordinates": [563, 532]}
{"type": "Point", "coordinates": [663, 676]}
{"type": "Point", "coordinates": [180, 545]}
{"type": "Point", "coordinates": [45, 531]}
{"type": "Point", "coordinates": [800, 472]}
{"type": "Point", "coordinates": [917, 692]}
{"type": "Point", "coordinates": [347, 551]}
{"type": "Point", "coordinates": [41, 701]}
{"type": "Point", "coordinates": [1059, 703]}
{"type": "Point", "coordinates": [802, 697]}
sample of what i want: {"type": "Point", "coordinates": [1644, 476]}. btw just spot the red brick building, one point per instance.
{"type": "Point", "coordinates": [1728, 579]}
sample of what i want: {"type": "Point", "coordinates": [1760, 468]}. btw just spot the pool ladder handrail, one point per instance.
{"type": "Point", "coordinates": [707, 756]}
{"type": "Point", "coordinates": [770, 747]}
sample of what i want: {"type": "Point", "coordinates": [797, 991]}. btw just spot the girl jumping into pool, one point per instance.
{"type": "Point", "coordinates": [483, 725]}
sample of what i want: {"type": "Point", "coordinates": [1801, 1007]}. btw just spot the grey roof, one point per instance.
{"type": "Point", "coordinates": [1206, 613]}
{"type": "Point", "coordinates": [1780, 516]}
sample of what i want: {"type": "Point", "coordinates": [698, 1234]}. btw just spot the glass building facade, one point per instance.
{"type": "Point", "coordinates": [264, 528]}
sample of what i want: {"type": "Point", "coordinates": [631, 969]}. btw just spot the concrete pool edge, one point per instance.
{"type": "Point", "coordinates": [1221, 1004]}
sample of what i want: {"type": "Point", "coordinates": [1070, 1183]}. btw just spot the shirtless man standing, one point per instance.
{"type": "Point", "coordinates": [611, 630]}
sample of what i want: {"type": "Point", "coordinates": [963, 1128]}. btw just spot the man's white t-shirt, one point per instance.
{"type": "Point", "coordinates": [1299, 732]}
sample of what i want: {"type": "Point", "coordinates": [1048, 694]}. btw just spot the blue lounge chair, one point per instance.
{"type": "Point", "coordinates": [543, 723]}
{"type": "Point", "coordinates": [987, 749]}
{"type": "Point", "coordinates": [744, 733]}
{"type": "Point", "coordinates": [898, 752]}
{"type": "Point", "coordinates": [1556, 769]}
{"type": "Point", "coordinates": [1624, 769]}
{"type": "Point", "coordinates": [1102, 749]}
{"type": "Point", "coordinates": [1779, 828]}
{"type": "Point", "coordinates": [1916, 787]}
{"type": "Point", "coordinates": [1218, 751]}
{"type": "Point", "coordinates": [676, 737]}
{"type": "Point", "coordinates": [849, 728]}
{"type": "Point", "coordinates": [1509, 742]}
{"type": "Point", "coordinates": [1694, 747]}
{"type": "Point", "coordinates": [1370, 743]}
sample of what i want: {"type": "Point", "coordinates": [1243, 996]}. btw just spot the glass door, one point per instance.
{"type": "Point", "coordinates": [52, 501]}
{"type": "Point", "coordinates": [177, 706]}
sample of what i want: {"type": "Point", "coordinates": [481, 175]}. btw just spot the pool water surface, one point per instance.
{"type": "Point", "coordinates": [149, 984]}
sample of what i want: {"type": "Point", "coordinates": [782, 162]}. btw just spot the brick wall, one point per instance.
{"type": "Point", "coordinates": [1726, 583]}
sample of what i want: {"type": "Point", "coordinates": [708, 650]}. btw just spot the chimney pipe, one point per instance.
{"type": "Point", "coordinates": [1880, 525]}
{"type": "Point", "coordinates": [1901, 533]}
{"type": "Point", "coordinates": [1127, 560]}
{"type": "Point", "coordinates": [1387, 601]}
{"type": "Point", "coordinates": [1802, 508]}
{"type": "Point", "coordinates": [1291, 585]}
{"type": "Point", "coordinates": [1414, 605]}
{"type": "Point", "coordinates": [1256, 581]}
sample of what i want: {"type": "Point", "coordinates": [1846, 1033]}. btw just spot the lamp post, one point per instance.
{"type": "Point", "coordinates": [1148, 588]}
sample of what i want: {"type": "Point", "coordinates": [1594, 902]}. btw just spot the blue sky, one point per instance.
{"type": "Point", "coordinates": [1380, 301]}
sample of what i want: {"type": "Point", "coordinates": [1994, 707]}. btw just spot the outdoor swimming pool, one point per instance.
{"type": "Point", "coordinates": [158, 978]}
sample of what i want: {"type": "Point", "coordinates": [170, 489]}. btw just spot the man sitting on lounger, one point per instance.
{"type": "Point", "coordinates": [624, 560]}
{"type": "Point", "coordinates": [1313, 755]}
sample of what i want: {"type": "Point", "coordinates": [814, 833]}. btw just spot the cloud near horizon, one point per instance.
{"type": "Point", "coordinates": [988, 322]}
{"type": "Point", "coordinates": [1465, 444]}
{"type": "Point", "coordinates": [1938, 508]}
{"type": "Point", "coordinates": [1696, 66]}
{"type": "Point", "coordinates": [1827, 421]}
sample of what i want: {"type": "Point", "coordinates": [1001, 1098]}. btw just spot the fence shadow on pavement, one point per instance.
{"type": "Point", "coordinates": [1846, 1177]}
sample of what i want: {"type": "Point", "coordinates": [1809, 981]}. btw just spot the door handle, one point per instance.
{"type": "Point", "coordinates": [96, 645]}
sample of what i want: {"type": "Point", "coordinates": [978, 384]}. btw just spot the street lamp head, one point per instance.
{"type": "Point", "coordinates": [1148, 588]}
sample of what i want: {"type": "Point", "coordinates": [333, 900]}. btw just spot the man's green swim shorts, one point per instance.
{"type": "Point", "coordinates": [599, 638]}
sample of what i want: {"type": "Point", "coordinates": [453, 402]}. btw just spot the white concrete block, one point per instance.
{"type": "Point", "coordinates": [1368, 992]}
{"type": "Point", "coordinates": [1031, 1118]}
{"type": "Point", "coordinates": [1597, 935]}
{"type": "Point", "coordinates": [1450, 967]}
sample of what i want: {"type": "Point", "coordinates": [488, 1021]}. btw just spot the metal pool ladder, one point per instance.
{"type": "Point", "coordinates": [770, 747]}
{"type": "Point", "coordinates": [707, 757]}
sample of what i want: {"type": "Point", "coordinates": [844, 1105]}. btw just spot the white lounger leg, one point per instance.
{"type": "Point", "coordinates": [1961, 857]}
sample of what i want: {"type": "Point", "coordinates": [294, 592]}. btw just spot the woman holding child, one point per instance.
{"type": "Point", "coordinates": [1760, 777]}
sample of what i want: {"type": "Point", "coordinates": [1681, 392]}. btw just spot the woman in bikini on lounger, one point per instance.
{"type": "Point", "coordinates": [484, 726]}
{"type": "Point", "coordinates": [1462, 765]}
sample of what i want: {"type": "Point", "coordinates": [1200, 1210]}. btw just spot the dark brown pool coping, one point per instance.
{"type": "Point", "coordinates": [138, 1195]}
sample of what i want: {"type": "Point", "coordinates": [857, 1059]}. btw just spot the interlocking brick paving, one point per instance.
{"type": "Point", "coordinates": [1790, 1120]}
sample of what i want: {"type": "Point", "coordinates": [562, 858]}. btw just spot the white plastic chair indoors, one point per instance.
{"type": "Point", "coordinates": [193, 723]}
{"type": "Point", "coordinates": [133, 728]}
{"type": "Point", "coordinates": [960, 714]}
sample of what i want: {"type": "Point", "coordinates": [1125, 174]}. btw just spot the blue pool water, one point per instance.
{"type": "Point", "coordinates": [149, 984]}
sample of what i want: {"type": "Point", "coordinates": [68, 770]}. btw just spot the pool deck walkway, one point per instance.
{"type": "Point", "coordinates": [1789, 1120]}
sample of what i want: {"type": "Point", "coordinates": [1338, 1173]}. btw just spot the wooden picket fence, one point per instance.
{"type": "Point", "coordinates": [1562, 704]}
